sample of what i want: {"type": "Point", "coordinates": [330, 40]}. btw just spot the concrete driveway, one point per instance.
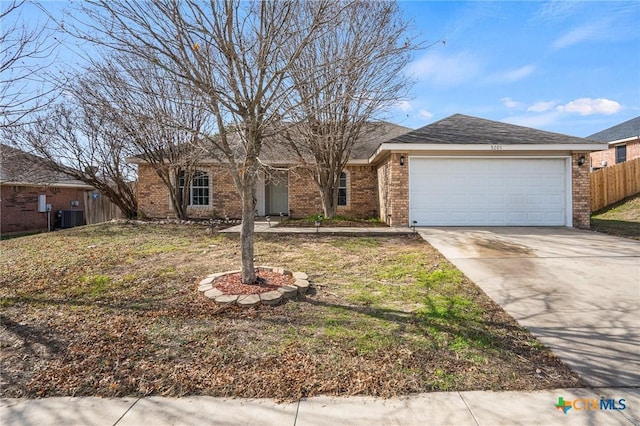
{"type": "Point", "coordinates": [576, 291]}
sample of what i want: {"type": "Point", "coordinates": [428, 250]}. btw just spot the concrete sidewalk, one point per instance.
{"type": "Point", "coordinates": [439, 408]}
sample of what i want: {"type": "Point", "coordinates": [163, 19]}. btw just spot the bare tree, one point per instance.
{"type": "Point", "coordinates": [234, 56]}
{"type": "Point", "coordinates": [162, 122]}
{"type": "Point", "coordinates": [74, 140]}
{"type": "Point", "coordinates": [343, 82]}
{"type": "Point", "coordinates": [24, 52]}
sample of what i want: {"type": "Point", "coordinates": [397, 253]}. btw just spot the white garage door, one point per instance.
{"type": "Point", "coordinates": [488, 191]}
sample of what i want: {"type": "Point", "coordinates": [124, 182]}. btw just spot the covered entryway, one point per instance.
{"type": "Point", "coordinates": [489, 191]}
{"type": "Point", "coordinates": [272, 195]}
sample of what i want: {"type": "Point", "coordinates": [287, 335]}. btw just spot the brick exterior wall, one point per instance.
{"type": "Point", "coordinates": [372, 191]}
{"type": "Point", "coordinates": [393, 190]}
{"type": "Point", "coordinates": [19, 206]}
{"type": "Point", "coordinates": [153, 197]}
{"type": "Point", "coordinates": [581, 192]}
{"type": "Point", "coordinates": [609, 155]}
{"type": "Point", "coordinates": [304, 196]}
{"type": "Point", "coordinates": [154, 200]}
{"type": "Point", "coordinates": [362, 193]}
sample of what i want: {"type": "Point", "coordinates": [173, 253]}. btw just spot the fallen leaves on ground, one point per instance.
{"type": "Point", "coordinates": [113, 310]}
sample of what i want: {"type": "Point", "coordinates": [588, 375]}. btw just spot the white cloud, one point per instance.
{"type": "Point", "coordinates": [557, 10]}
{"type": "Point", "coordinates": [518, 74]}
{"type": "Point", "coordinates": [542, 106]}
{"type": "Point", "coordinates": [588, 106]}
{"type": "Point", "coordinates": [510, 103]}
{"type": "Point", "coordinates": [595, 31]}
{"type": "Point", "coordinates": [404, 106]}
{"type": "Point", "coordinates": [425, 114]}
{"type": "Point", "coordinates": [446, 70]}
{"type": "Point", "coordinates": [511, 76]}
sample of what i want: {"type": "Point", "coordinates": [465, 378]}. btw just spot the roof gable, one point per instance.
{"type": "Point", "coordinates": [461, 129]}
{"type": "Point", "coordinates": [628, 129]}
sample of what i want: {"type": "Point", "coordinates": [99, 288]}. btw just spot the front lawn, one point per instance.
{"type": "Point", "coordinates": [113, 310]}
{"type": "Point", "coordinates": [621, 219]}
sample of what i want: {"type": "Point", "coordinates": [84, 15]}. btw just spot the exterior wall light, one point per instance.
{"type": "Point", "coordinates": [581, 160]}
{"type": "Point", "coordinates": [402, 160]}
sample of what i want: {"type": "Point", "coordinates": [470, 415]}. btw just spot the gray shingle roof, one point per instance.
{"type": "Point", "coordinates": [17, 166]}
{"type": "Point", "coordinates": [463, 129]}
{"type": "Point", "coordinates": [276, 151]}
{"type": "Point", "coordinates": [628, 129]}
{"type": "Point", "coordinates": [373, 135]}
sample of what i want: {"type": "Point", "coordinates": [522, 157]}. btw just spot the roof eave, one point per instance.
{"type": "Point", "coordinates": [497, 148]}
{"type": "Point", "coordinates": [629, 139]}
{"type": "Point", "coordinates": [56, 184]}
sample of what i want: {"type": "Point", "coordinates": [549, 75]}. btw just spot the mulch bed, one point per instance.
{"type": "Point", "coordinates": [267, 281]}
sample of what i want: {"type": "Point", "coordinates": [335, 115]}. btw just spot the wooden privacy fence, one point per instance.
{"type": "Point", "coordinates": [613, 183]}
{"type": "Point", "coordinates": [98, 208]}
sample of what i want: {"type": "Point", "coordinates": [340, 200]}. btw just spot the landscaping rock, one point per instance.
{"type": "Point", "coordinates": [202, 288]}
{"type": "Point", "coordinates": [303, 286]}
{"type": "Point", "coordinates": [300, 276]}
{"type": "Point", "coordinates": [213, 293]}
{"type": "Point", "coordinates": [226, 299]}
{"type": "Point", "coordinates": [300, 286]}
{"type": "Point", "coordinates": [288, 291]}
{"type": "Point", "coordinates": [247, 300]}
{"type": "Point", "coordinates": [271, 297]}
{"type": "Point", "coordinates": [217, 275]}
{"type": "Point", "coordinates": [207, 280]}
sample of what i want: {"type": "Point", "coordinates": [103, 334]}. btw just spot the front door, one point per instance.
{"type": "Point", "coordinates": [277, 193]}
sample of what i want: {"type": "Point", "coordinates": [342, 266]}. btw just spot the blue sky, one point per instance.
{"type": "Point", "coordinates": [564, 66]}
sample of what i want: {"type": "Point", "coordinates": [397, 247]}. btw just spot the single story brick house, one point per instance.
{"type": "Point", "coordinates": [623, 142]}
{"type": "Point", "coordinates": [459, 171]}
{"type": "Point", "coordinates": [27, 186]}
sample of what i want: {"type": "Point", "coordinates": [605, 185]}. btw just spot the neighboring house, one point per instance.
{"type": "Point", "coordinates": [27, 186]}
{"type": "Point", "coordinates": [623, 144]}
{"type": "Point", "coordinates": [459, 171]}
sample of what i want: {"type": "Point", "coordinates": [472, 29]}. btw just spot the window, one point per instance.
{"type": "Point", "coordinates": [621, 154]}
{"type": "Point", "coordinates": [199, 190]}
{"type": "Point", "coordinates": [342, 189]}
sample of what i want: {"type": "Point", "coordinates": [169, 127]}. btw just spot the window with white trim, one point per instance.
{"type": "Point", "coordinates": [342, 189]}
{"type": "Point", "coordinates": [621, 154]}
{"type": "Point", "coordinates": [199, 189]}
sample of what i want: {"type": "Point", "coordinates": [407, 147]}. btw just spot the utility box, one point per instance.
{"type": "Point", "coordinates": [42, 203]}
{"type": "Point", "coordinates": [71, 218]}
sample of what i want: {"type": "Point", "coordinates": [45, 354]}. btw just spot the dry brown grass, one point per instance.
{"type": "Point", "coordinates": [113, 310]}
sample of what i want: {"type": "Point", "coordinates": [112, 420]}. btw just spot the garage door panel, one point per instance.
{"type": "Point", "coordinates": [476, 192]}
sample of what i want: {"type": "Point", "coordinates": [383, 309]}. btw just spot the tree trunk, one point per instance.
{"type": "Point", "coordinates": [329, 202]}
{"type": "Point", "coordinates": [246, 231]}
{"type": "Point", "coordinates": [328, 193]}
